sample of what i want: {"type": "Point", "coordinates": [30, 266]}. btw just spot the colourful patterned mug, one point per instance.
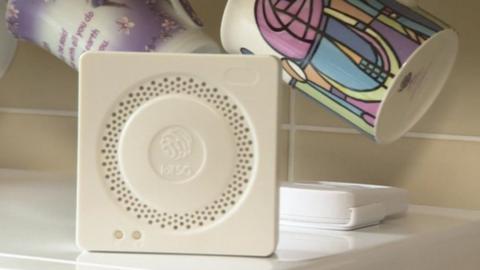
{"type": "Point", "coordinates": [68, 28]}
{"type": "Point", "coordinates": [379, 64]}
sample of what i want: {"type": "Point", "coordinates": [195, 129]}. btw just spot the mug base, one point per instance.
{"type": "Point", "coordinates": [417, 86]}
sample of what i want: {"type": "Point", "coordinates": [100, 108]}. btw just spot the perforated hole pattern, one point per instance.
{"type": "Point", "coordinates": [215, 98]}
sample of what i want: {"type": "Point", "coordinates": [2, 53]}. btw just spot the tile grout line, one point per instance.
{"type": "Point", "coordinates": [40, 112]}
{"type": "Point", "coordinates": [292, 136]}
{"type": "Point", "coordinates": [293, 128]}
{"type": "Point", "coordinates": [413, 135]}
{"type": "Point", "coordinates": [443, 137]}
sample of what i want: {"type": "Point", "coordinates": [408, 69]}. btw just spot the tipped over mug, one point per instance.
{"type": "Point", "coordinates": [68, 28]}
{"type": "Point", "coordinates": [379, 64]}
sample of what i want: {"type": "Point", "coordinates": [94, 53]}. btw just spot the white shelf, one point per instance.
{"type": "Point", "coordinates": [37, 229]}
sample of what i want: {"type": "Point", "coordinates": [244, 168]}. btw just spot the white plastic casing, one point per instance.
{"type": "Point", "coordinates": [338, 206]}
{"type": "Point", "coordinates": [178, 154]}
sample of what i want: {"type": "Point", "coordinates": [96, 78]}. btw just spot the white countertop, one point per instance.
{"type": "Point", "coordinates": [37, 231]}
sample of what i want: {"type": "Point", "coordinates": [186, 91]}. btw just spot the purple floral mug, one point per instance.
{"type": "Point", "coordinates": [67, 29]}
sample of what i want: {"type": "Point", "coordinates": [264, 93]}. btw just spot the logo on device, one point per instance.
{"type": "Point", "coordinates": [177, 154]}
{"type": "Point", "coordinates": [176, 143]}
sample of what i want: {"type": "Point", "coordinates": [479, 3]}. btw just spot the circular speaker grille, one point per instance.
{"type": "Point", "coordinates": [214, 98]}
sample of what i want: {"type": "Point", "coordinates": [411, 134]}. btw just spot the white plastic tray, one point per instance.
{"type": "Point", "coordinates": [338, 206]}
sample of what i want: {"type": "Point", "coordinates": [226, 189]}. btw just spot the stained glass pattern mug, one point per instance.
{"type": "Point", "coordinates": [378, 64]}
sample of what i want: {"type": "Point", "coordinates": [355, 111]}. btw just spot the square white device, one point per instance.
{"type": "Point", "coordinates": [178, 154]}
{"type": "Point", "coordinates": [338, 206]}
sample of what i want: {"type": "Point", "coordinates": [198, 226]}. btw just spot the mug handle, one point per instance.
{"type": "Point", "coordinates": [185, 11]}
{"type": "Point", "coordinates": [409, 3]}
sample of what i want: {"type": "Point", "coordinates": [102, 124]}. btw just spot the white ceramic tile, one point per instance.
{"type": "Point", "coordinates": [37, 142]}
{"type": "Point", "coordinates": [38, 80]}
